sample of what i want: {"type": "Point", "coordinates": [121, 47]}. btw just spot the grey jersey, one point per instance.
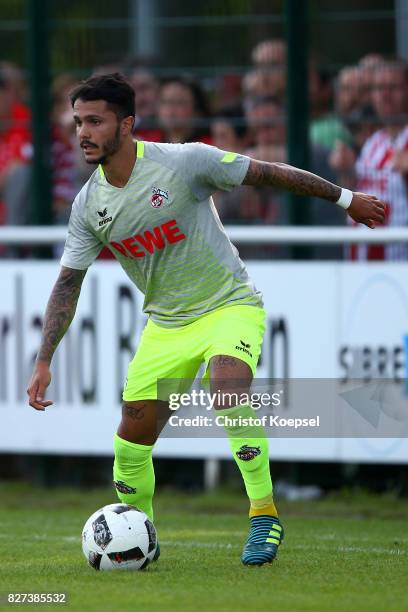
{"type": "Point", "coordinates": [164, 230]}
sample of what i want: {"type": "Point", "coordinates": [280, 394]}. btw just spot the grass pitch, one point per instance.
{"type": "Point", "coordinates": [348, 552]}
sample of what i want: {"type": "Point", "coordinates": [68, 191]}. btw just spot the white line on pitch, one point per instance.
{"type": "Point", "coordinates": [215, 545]}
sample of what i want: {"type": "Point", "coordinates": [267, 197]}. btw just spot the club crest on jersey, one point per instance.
{"type": "Point", "coordinates": [159, 196]}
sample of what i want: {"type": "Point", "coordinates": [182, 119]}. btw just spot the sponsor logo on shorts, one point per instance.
{"type": "Point", "coordinates": [105, 219]}
{"type": "Point", "coordinates": [158, 197]}
{"type": "Point", "coordinates": [246, 453]}
{"type": "Point", "coordinates": [244, 348]}
{"type": "Point", "coordinates": [122, 487]}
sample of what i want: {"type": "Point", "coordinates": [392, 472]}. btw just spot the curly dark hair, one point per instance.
{"type": "Point", "coordinates": [113, 88]}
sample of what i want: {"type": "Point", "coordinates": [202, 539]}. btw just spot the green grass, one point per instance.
{"type": "Point", "coordinates": [347, 552]}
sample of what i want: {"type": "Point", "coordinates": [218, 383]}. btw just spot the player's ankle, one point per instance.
{"type": "Point", "coordinates": [262, 507]}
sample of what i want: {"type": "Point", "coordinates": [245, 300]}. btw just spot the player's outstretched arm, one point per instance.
{"type": "Point", "coordinates": [364, 208]}
{"type": "Point", "coordinates": [58, 316]}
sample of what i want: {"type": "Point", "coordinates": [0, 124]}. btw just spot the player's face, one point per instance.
{"type": "Point", "coordinates": [98, 130]}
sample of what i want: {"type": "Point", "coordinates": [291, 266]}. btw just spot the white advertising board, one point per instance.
{"type": "Point", "coordinates": [325, 320]}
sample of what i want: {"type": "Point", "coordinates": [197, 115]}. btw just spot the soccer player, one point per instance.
{"type": "Point", "coordinates": [151, 205]}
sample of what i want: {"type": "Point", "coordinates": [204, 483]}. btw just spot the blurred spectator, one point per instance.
{"type": "Point", "coordinates": [269, 52]}
{"type": "Point", "coordinates": [146, 88]}
{"type": "Point", "coordinates": [382, 166]}
{"type": "Point", "coordinates": [250, 86]}
{"type": "Point", "coordinates": [228, 90]}
{"type": "Point", "coordinates": [344, 128]}
{"type": "Point", "coordinates": [15, 78]}
{"type": "Point", "coordinates": [349, 90]}
{"type": "Point", "coordinates": [361, 123]}
{"type": "Point", "coordinates": [15, 152]}
{"type": "Point", "coordinates": [228, 129]}
{"type": "Point", "coordinates": [368, 65]}
{"type": "Point", "coordinates": [229, 133]}
{"type": "Point", "coordinates": [370, 60]}
{"type": "Point", "coordinates": [268, 78]}
{"type": "Point", "coordinates": [67, 179]}
{"type": "Point", "coordinates": [183, 111]}
{"type": "Point", "coordinates": [267, 122]}
{"type": "Point", "coordinates": [325, 128]}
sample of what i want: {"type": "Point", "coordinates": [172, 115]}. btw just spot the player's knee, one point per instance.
{"type": "Point", "coordinates": [139, 422]}
{"type": "Point", "coordinates": [229, 396]}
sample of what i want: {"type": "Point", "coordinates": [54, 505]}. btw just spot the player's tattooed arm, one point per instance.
{"type": "Point", "coordinates": [60, 311]}
{"type": "Point", "coordinates": [283, 176]}
{"type": "Point", "coordinates": [366, 209]}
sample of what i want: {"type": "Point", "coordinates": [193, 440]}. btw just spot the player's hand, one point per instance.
{"type": "Point", "coordinates": [40, 380]}
{"type": "Point", "coordinates": [366, 209]}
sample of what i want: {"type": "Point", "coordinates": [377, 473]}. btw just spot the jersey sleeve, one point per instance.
{"type": "Point", "coordinates": [81, 246]}
{"type": "Point", "coordinates": [207, 169]}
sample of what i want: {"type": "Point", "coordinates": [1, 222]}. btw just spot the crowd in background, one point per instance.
{"type": "Point", "coordinates": [358, 136]}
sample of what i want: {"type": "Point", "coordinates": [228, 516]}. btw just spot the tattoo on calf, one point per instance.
{"type": "Point", "coordinates": [135, 413]}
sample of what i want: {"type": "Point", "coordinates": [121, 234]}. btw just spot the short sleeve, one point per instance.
{"type": "Point", "coordinates": [81, 246]}
{"type": "Point", "coordinates": [207, 169]}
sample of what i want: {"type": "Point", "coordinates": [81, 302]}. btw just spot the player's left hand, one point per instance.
{"type": "Point", "coordinates": [40, 380]}
{"type": "Point", "coordinates": [366, 209]}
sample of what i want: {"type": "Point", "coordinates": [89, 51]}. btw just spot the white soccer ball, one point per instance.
{"type": "Point", "coordinates": [119, 536]}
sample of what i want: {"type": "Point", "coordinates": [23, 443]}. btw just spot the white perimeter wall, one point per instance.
{"type": "Point", "coordinates": [339, 319]}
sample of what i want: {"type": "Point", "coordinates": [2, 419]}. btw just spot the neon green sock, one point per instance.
{"type": "Point", "coordinates": [133, 474]}
{"type": "Point", "coordinates": [249, 447]}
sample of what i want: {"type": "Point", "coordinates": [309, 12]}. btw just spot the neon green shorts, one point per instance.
{"type": "Point", "coordinates": [178, 352]}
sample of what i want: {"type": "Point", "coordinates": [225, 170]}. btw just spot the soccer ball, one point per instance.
{"type": "Point", "coordinates": [119, 536]}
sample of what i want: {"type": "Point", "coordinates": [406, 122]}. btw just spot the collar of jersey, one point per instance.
{"type": "Point", "coordinates": [139, 144]}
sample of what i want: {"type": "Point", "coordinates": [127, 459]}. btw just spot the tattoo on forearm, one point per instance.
{"type": "Point", "coordinates": [134, 413]}
{"type": "Point", "coordinates": [283, 176]}
{"type": "Point", "coordinates": [60, 311]}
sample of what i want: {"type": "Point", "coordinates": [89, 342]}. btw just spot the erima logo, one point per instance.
{"type": "Point", "coordinates": [244, 348]}
{"type": "Point", "coordinates": [105, 219]}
